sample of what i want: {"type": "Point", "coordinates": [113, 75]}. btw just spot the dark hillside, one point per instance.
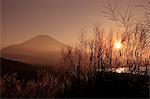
{"type": "Point", "coordinates": [23, 70]}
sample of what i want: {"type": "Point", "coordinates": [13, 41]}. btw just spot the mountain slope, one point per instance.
{"type": "Point", "coordinates": [40, 50]}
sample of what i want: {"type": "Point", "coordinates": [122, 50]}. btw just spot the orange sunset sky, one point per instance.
{"type": "Point", "coordinates": [60, 19]}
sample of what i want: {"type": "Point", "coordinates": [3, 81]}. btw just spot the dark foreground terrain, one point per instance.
{"type": "Point", "coordinates": [103, 85]}
{"type": "Point", "coordinates": [71, 84]}
{"type": "Point", "coordinates": [111, 85]}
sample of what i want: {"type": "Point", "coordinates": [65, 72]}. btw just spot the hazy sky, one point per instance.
{"type": "Point", "coordinates": [61, 19]}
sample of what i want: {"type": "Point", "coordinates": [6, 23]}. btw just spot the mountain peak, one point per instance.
{"type": "Point", "coordinates": [41, 49]}
{"type": "Point", "coordinates": [43, 36]}
{"type": "Point", "coordinates": [41, 40]}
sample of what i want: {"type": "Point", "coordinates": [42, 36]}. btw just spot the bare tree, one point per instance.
{"type": "Point", "coordinates": [135, 36]}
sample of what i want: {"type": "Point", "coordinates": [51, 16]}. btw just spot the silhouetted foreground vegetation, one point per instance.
{"type": "Point", "coordinates": [111, 85]}
{"type": "Point", "coordinates": [62, 84]}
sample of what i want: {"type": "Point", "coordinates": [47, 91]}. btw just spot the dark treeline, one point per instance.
{"type": "Point", "coordinates": [64, 84]}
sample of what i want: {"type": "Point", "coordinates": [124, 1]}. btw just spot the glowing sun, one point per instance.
{"type": "Point", "coordinates": [117, 45]}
